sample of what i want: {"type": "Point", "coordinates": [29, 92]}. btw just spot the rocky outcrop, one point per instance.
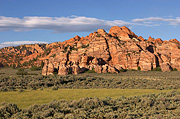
{"type": "Point", "coordinates": [147, 61]}
{"type": "Point", "coordinates": [123, 33]}
{"type": "Point", "coordinates": [165, 67]}
{"type": "Point", "coordinates": [99, 51]}
{"type": "Point", "coordinates": [114, 51]}
{"type": "Point", "coordinates": [75, 69]}
{"type": "Point", "coordinates": [63, 70]}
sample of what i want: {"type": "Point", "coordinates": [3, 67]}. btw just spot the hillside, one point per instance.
{"type": "Point", "coordinates": [100, 52]}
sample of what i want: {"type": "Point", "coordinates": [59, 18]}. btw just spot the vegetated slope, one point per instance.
{"type": "Point", "coordinates": [163, 105]}
{"type": "Point", "coordinates": [99, 51]}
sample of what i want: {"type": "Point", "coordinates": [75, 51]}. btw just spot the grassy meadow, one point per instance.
{"type": "Point", "coordinates": [31, 97]}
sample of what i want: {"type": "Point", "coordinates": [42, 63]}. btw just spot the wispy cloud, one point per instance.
{"type": "Point", "coordinates": [58, 24]}
{"type": "Point", "coordinates": [75, 23]}
{"type": "Point", "coordinates": [151, 20]}
{"type": "Point", "coordinates": [16, 43]}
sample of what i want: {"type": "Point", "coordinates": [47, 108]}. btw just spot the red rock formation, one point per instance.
{"type": "Point", "coordinates": [75, 69]}
{"type": "Point", "coordinates": [165, 67]}
{"type": "Point", "coordinates": [123, 33]}
{"type": "Point", "coordinates": [174, 40]}
{"type": "Point", "coordinates": [98, 69]}
{"type": "Point", "coordinates": [62, 70]}
{"type": "Point", "coordinates": [150, 39]}
{"type": "Point", "coordinates": [121, 49]}
{"type": "Point", "coordinates": [100, 51]}
{"type": "Point", "coordinates": [140, 38]}
{"type": "Point", "coordinates": [158, 40]}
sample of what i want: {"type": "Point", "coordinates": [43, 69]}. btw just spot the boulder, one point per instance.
{"type": "Point", "coordinates": [112, 69]}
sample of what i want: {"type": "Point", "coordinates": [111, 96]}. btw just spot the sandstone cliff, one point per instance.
{"type": "Point", "coordinates": [100, 51]}
{"type": "Point", "coordinates": [119, 49]}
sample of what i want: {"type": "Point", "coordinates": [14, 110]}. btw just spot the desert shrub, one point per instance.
{"type": "Point", "coordinates": [157, 69]}
{"type": "Point", "coordinates": [21, 72]}
{"type": "Point", "coordinates": [7, 110]}
{"type": "Point", "coordinates": [47, 52]}
{"type": "Point", "coordinates": [85, 46]}
{"type": "Point", "coordinates": [73, 48]}
{"type": "Point", "coordinates": [55, 88]}
{"type": "Point", "coordinates": [3, 89]}
{"type": "Point", "coordinates": [175, 69]}
{"type": "Point", "coordinates": [42, 64]}
{"type": "Point", "coordinates": [55, 71]}
{"type": "Point", "coordinates": [90, 71]}
{"type": "Point", "coordinates": [14, 66]}
{"type": "Point", "coordinates": [21, 90]}
{"type": "Point", "coordinates": [25, 64]}
{"type": "Point", "coordinates": [139, 68]}
{"type": "Point", "coordinates": [98, 35]}
{"type": "Point", "coordinates": [123, 70]}
{"type": "Point", "coordinates": [162, 105]}
{"type": "Point", "coordinates": [123, 80]}
{"type": "Point", "coordinates": [53, 55]}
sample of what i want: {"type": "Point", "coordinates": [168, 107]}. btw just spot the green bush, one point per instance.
{"type": "Point", "coordinates": [21, 71]}
{"type": "Point", "coordinates": [90, 71]}
{"type": "Point", "coordinates": [98, 35]}
{"type": "Point", "coordinates": [85, 46]}
{"type": "Point", "coordinates": [123, 70]}
{"type": "Point", "coordinates": [53, 55]}
{"type": "Point", "coordinates": [55, 88]}
{"type": "Point", "coordinates": [139, 68]}
{"type": "Point", "coordinates": [157, 69]}
{"type": "Point", "coordinates": [25, 64]}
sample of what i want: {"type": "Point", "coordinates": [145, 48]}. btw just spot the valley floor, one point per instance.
{"type": "Point", "coordinates": [131, 94]}
{"type": "Point", "coordinates": [31, 97]}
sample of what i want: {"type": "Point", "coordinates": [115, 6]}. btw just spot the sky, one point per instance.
{"type": "Point", "coordinates": [47, 21]}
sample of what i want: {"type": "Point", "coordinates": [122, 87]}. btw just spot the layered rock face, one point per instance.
{"type": "Point", "coordinates": [111, 52]}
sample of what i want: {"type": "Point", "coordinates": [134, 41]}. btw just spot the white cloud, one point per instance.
{"type": "Point", "coordinates": [75, 23]}
{"type": "Point", "coordinates": [16, 43]}
{"type": "Point", "coordinates": [151, 20]}
{"type": "Point", "coordinates": [58, 24]}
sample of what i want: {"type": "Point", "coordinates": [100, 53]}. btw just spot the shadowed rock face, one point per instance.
{"type": "Point", "coordinates": [119, 49]}
{"type": "Point", "coordinates": [100, 51]}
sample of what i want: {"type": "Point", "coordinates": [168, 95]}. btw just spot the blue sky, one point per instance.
{"type": "Point", "coordinates": [38, 21]}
